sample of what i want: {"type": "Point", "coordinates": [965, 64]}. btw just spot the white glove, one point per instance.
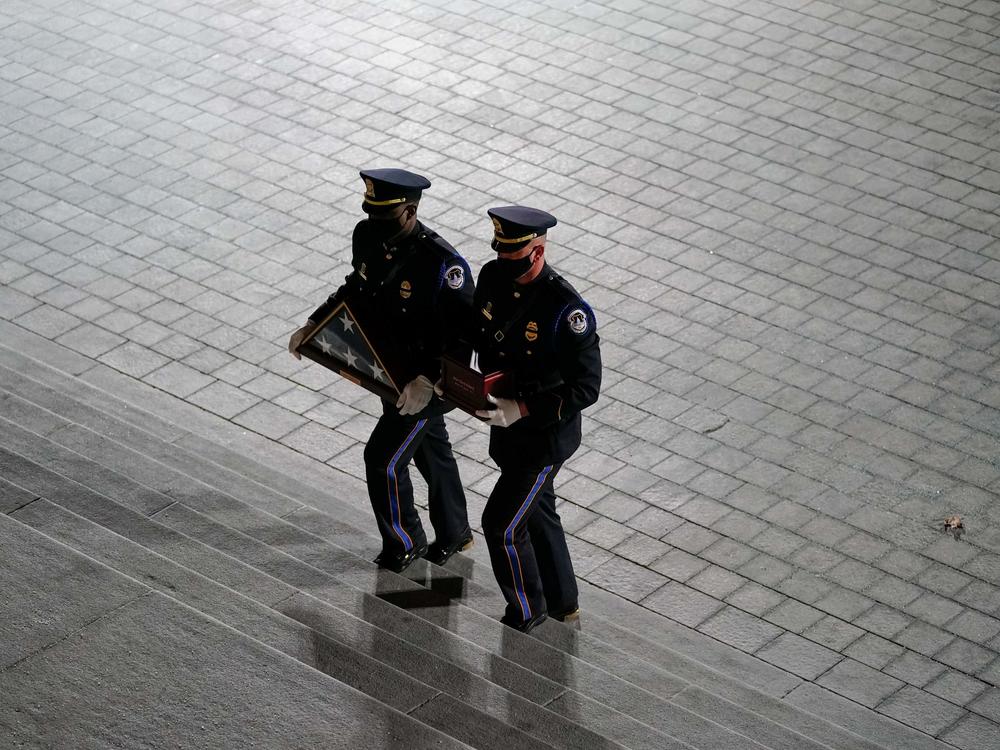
{"type": "Point", "coordinates": [507, 412]}
{"type": "Point", "coordinates": [296, 340]}
{"type": "Point", "coordinates": [415, 396]}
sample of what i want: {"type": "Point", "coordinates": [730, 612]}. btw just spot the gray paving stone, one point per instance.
{"type": "Point", "coordinates": [859, 683]}
{"type": "Point", "coordinates": [634, 582]}
{"type": "Point", "coordinates": [965, 656]}
{"type": "Point", "coordinates": [766, 570]}
{"type": "Point", "coordinates": [682, 604]}
{"type": "Point", "coordinates": [740, 629]}
{"type": "Point", "coordinates": [641, 549]}
{"type": "Point", "coordinates": [717, 582]}
{"type": "Point", "coordinates": [799, 656]}
{"type": "Point", "coordinates": [269, 420]}
{"type": "Point", "coordinates": [972, 733]}
{"type": "Point", "coordinates": [956, 687]}
{"type": "Point", "coordinates": [915, 669]}
{"type": "Point", "coordinates": [916, 708]}
{"type": "Point", "coordinates": [834, 633]}
{"type": "Point", "coordinates": [601, 531]}
{"type": "Point", "coordinates": [874, 651]}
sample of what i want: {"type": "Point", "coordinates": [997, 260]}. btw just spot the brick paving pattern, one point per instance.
{"type": "Point", "coordinates": [785, 214]}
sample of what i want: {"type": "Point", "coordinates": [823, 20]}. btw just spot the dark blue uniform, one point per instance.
{"type": "Point", "coordinates": [544, 334]}
{"type": "Point", "coordinates": [422, 288]}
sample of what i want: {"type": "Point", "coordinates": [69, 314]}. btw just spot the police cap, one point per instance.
{"type": "Point", "coordinates": [515, 226]}
{"type": "Point", "coordinates": [386, 188]}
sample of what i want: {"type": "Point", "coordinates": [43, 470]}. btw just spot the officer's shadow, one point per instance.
{"type": "Point", "coordinates": [437, 589]}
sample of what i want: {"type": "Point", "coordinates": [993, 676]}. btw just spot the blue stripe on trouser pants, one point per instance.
{"type": "Point", "coordinates": [392, 486]}
{"type": "Point", "coordinates": [387, 455]}
{"type": "Point", "coordinates": [527, 544]}
{"type": "Point", "coordinates": [394, 442]}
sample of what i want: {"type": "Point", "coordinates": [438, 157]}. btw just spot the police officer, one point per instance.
{"type": "Point", "coordinates": [530, 322]}
{"type": "Point", "coordinates": [421, 287]}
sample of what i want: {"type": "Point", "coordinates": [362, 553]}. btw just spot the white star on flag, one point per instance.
{"type": "Point", "coordinates": [351, 359]}
{"type": "Point", "coordinates": [323, 344]}
{"type": "Point", "coordinates": [377, 372]}
{"type": "Point", "coordinates": [348, 323]}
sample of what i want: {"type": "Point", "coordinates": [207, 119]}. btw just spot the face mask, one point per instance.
{"type": "Point", "coordinates": [514, 269]}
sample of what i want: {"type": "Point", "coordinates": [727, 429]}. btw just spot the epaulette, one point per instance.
{"type": "Point", "coordinates": [565, 290]}
{"type": "Point", "coordinates": [438, 244]}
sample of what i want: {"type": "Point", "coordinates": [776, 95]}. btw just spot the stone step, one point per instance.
{"type": "Point", "coordinates": [288, 599]}
{"type": "Point", "coordinates": [333, 642]}
{"type": "Point", "coordinates": [694, 727]}
{"type": "Point", "coordinates": [90, 657]}
{"type": "Point", "coordinates": [13, 497]}
{"type": "Point", "coordinates": [709, 672]}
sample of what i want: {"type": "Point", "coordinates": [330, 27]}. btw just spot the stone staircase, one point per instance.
{"type": "Point", "coordinates": [174, 581]}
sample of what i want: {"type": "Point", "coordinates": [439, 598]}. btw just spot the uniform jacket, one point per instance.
{"type": "Point", "coordinates": [421, 287]}
{"type": "Point", "coordinates": [546, 336]}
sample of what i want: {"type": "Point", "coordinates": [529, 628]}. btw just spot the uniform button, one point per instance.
{"type": "Point", "coordinates": [517, 295]}
{"type": "Point", "coordinates": [388, 256]}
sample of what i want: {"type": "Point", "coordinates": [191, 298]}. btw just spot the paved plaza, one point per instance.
{"type": "Point", "coordinates": [784, 213]}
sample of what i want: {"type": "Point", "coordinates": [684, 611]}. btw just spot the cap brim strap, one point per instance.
{"type": "Point", "coordinates": [514, 240]}
{"type": "Point", "coordinates": [390, 202]}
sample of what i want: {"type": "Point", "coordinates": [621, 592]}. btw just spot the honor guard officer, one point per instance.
{"type": "Point", "coordinates": [530, 322]}
{"type": "Point", "coordinates": [421, 286]}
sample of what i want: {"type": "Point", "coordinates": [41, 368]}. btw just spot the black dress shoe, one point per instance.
{"type": "Point", "coordinates": [525, 626]}
{"type": "Point", "coordinates": [439, 554]}
{"type": "Point", "coordinates": [397, 562]}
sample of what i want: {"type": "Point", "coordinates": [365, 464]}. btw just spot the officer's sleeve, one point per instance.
{"type": "Point", "coordinates": [468, 327]}
{"type": "Point", "coordinates": [452, 313]}
{"type": "Point", "coordinates": [578, 357]}
{"type": "Point", "coordinates": [351, 280]}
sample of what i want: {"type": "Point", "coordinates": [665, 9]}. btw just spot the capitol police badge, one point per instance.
{"type": "Point", "coordinates": [405, 290]}
{"type": "Point", "coordinates": [455, 276]}
{"type": "Point", "coordinates": [531, 331]}
{"type": "Point", "coordinates": [577, 321]}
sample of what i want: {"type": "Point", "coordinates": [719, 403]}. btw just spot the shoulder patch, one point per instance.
{"type": "Point", "coordinates": [577, 320]}
{"type": "Point", "coordinates": [455, 276]}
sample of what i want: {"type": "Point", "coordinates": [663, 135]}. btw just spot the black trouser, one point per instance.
{"type": "Point", "coordinates": [394, 441]}
{"type": "Point", "coordinates": [527, 543]}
